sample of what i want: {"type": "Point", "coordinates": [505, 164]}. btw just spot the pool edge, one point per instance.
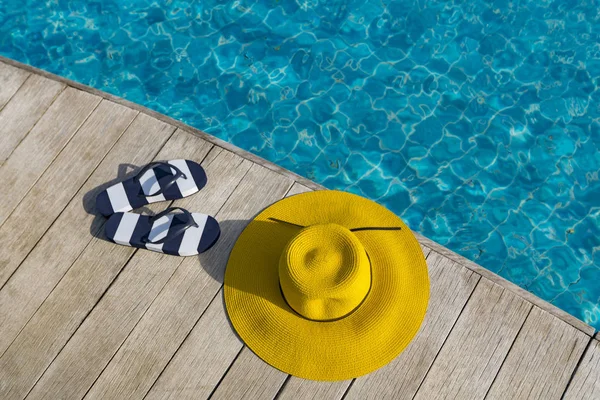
{"type": "Point", "coordinates": [471, 265]}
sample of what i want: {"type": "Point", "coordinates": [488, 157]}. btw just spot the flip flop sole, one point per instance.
{"type": "Point", "coordinates": [128, 229]}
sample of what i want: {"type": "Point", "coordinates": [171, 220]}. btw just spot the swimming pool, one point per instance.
{"type": "Point", "coordinates": [477, 122]}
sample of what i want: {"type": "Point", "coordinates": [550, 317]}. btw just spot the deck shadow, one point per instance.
{"type": "Point", "coordinates": [214, 262]}
{"type": "Point", "coordinates": [124, 171]}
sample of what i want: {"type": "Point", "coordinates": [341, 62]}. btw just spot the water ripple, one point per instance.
{"type": "Point", "coordinates": [477, 122]}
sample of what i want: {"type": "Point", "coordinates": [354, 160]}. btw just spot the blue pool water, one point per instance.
{"type": "Point", "coordinates": [478, 122]}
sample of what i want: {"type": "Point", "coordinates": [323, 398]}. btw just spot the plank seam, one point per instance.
{"type": "Point", "coordinates": [79, 256]}
{"type": "Point", "coordinates": [509, 350]}
{"type": "Point", "coordinates": [50, 164]}
{"type": "Point", "coordinates": [557, 312]}
{"type": "Point", "coordinates": [19, 88]}
{"type": "Point", "coordinates": [290, 189]}
{"type": "Point", "coordinates": [291, 183]}
{"type": "Point", "coordinates": [170, 203]}
{"type": "Point", "coordinates": [348, 389]}
{"type": "Point", "coordinates": [583, 354]}
{"type": "Point", "coordinates": [226, 372]}
{"type": "Point", "coordinates": [77, 328]}
{"type": "Point", "coordinates": [354, 379]}
{"type": "Point", "coordinates": [283, 385]}
{"type": "Point", "coordinates": [38, 120]}
{"type": "Point", "coordinates": [182, 342]}
{"type": "Point", "coordinates": [67, 203]}
{"type": "Point", "coordinates": [209, 303]}
{"type": "Point", "coordinates": [450, 331]}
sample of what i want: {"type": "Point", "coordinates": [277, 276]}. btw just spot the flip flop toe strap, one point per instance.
{"type": "Point", "coordinates": [165, 185]}
{"type": "Point", "coordinates": [173, 233]}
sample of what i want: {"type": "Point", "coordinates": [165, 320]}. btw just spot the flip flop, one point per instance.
{"type": "Point", "coordinates": [157, 181]}
{"type": "Point", "coordinates": [181, 234]}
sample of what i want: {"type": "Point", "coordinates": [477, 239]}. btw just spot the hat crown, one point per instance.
{"type": "Point", "coordinates": [324, 272]}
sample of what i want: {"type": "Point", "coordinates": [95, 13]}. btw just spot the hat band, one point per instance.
{"type": "Point", "coordinates": [343, 316]}
{"type": "Point", "coordinates": [366, 228]}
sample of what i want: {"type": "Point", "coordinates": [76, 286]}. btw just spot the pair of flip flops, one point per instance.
{"type": "Point", "coordinates": [177, 233]}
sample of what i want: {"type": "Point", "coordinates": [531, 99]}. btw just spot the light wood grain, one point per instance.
{"type": "Point", "coordinates": [40, 147]}
{"type": "Point", "coordinates": [71, 301]}
{"type": "Point", "coordinates": [59, 183]}
{"type": "Point", "coordinates": [197, 367]}
{"type": "Point", "coordinates": [302, 389]}
{"type": "Point", "coordinates": [497, 279]}
{"type": "Point", "coordinates": [56, 320]}
{"type": "Point", "coordinates": [541, 360]}
{"type": "Point", "coordinates": [173, 314]}
{"type": "Point", "coordinates": [68, 236]}
{"type": "Point", "coordinates": [155, 313]}
{"type": "Point", "coordinates": [104, 330]}
{"type": "Point", "coordinates": [451, 286]}
{"type": "Point", "coordinates": [477, 345]}
{"type": "Point", "coordinates": [11, 79]}
{"type": "Point", "coordinates": [24, 110]}
{"type": "Point", "coordinates": [589, 330]}
{"type": "Point", "coordinates": [298, 188]}
{"type": "Point", "coordinates": [585, 384]}
{"type": "Point", "coordinates": [250, 378]}
{"type": "Point", "coordinates": [203, 358]}
{"type": "Point", "coordinates": [203, 135]}
{"type": "Point", "coordinates": [313, 185]}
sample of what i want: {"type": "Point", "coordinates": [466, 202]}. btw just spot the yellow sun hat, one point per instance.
{"type": "Point", "coordinates": [326, 285]}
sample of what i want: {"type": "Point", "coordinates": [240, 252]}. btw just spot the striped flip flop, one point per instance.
{"type": "Point", "coordinates": [178, 234]}
{"type": "Point", "coordinates": [157, 181]}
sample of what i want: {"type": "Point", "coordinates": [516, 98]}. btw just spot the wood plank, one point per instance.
{"type": "Point", "coordinates": [73, 298]}
{"type": "Point", "coordinates": [250, 378]}
{"type": "Point", "coordinates": [188, 293]}
{"type": "Point", "coordinates": [203, 358]}
{"type": "Point", "coordinates": [519, 291]}
{"type": "Point", "coordinates": [298, 188]}
{"type": "Point", "coordinates": [25, 109]}
{"type": "Point", "coordinates": [46, 140]}
{"type": "Point", "coordinates": [477, 345]}
{"type": "Point", "coordinates": [541, 360]}
{"type": "Point", "coordinates": [68, 236]}
{"type": "Point", "coordinates": [97, 340]}
{"type": "Point", "coordinates": [59, 183]}
{"type": "Point", "coordinates": [11, 79]}
{"type": "Point", "coordinates": [451, 286]}
{"type": "Point", "coordinates": [205, 355]}
{"type": "Point", "coordinates": [302, 389]}
{"type": "Point", "coordinates": [586, 381]}
{"type": "Point", "coordinates": [171, 121]}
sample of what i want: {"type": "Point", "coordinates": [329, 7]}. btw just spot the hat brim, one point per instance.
{"type": "Point", "coordinates": [362, 342]}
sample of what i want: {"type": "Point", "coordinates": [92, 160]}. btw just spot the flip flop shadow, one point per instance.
{"type": "Point", "coordinates": [125, 171]}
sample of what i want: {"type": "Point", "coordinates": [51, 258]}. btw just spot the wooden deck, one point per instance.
{"type": "Point", "coordinates": [83, 318]}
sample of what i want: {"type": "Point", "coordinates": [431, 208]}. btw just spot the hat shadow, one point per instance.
{"type": "Point", "coordinates": [214, 261]}
{"type": "Point", "coordinates": [124, 171]}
